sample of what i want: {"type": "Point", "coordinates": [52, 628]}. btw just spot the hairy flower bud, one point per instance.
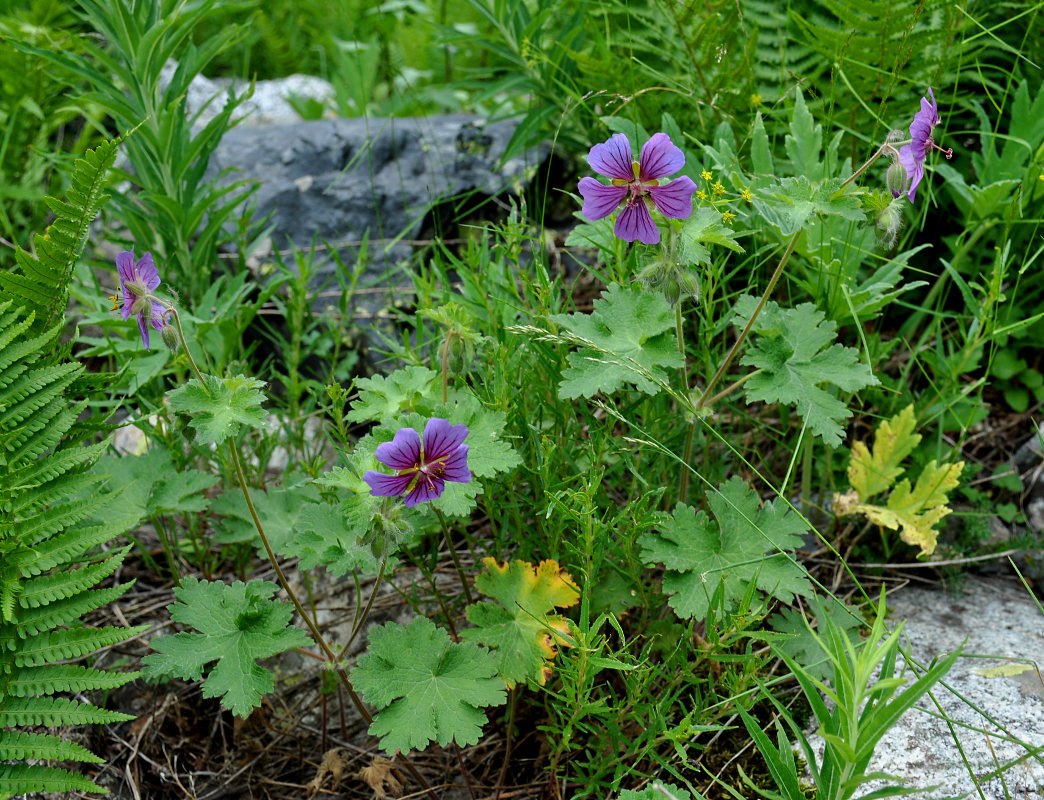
{"type": "Point", "coordinates": [170, 338]}
{"type": "Point", "coordinates": [895, 179]}
{"type": "Point", "coordinates": [888, 223]}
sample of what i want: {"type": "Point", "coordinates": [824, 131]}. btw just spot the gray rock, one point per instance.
{"type": "Point", "coordinates": [1029, 455]}
{"type": "Point", "coordinates": [383, 181]}
{"type": "Point", "coordinates": [1003, 635]}
{"type": "Point", "coordinates": [269, 104]}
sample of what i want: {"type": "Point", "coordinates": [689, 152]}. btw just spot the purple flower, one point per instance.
{"type": "Point", "coordinates": [636, 185]}
{"type": "Point", "coordinates": [912, 155]}
{"type": "Point", "coordinates": [138, 281]}
{"type": "Point", "coordinates": [421, 471]}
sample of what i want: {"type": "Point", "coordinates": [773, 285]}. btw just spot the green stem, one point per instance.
{"type": "Point", "coordinates": [312, 627]}
{"type": "Point", "coordinates": [706, 397]}
{"type": "Point", "coordinates": [690, 435]}
{"type": "Point", "coordinates": [456, 558]}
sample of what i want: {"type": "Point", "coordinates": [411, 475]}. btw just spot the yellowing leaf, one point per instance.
{"type": "Point", "coordinates": [1003, 671]}
{"type": "Point", "coordinates": [917, 512]}
{"type": "Point", "coordinates": [519, 626]}
{"type": "Point", "coordinates": [871, 472]}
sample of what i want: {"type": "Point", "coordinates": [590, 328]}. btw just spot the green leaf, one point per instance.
{"type": "Point", "coordinates": [519, 625]}
{"type": "Point", "coordinates": [426, 687]}
{"type": "Point", "coordinates": [238, 625]}
{"type": "Point", "coordinates": [384, 398]}
{"type": "Point", "coordinates": [220, 405]}
{"type": "Point", "coordinates": [659, 791]}
{"type": "Point", "coordinates": [731, 551]}
{"type": "Point", "coordinates": [760, 153]}
{"type": "Point", "coordinates": [279, 509]}
{"type": "Point", "coordinates": [626, 340]}
{"type": "Point", "coordinates": [806, 649]}
{"type": "Point", "coordinates": [805, 141]}
{"type": "Point", "coordinates": [791, 203]}
{"type": "Point", "coordinates": [150, 485]}
{"type": "Point", "coordinates": [321, 537]}
{"type": "Point", "coordinates": [704, 227]}
{"type": "Point", "coordinates": [789, 352]}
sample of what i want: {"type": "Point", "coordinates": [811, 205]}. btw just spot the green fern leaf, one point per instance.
{"type": "Point", "coordinates": [26, 778]}
{"type": "Point", "coordinates": [68, 583]}
{"type": "Point", "coordinates": [44, 282]}
{"type": "Point", "coordinates": [32, 621]}
{"type": "Point", "coordinates": [53, 678]}
{"type": "Point", "coordinates": [20, 746]}
{"type": "Point", "coordinates": [70, 643]}
{"type": "Point", "coordinates": [54, 711]}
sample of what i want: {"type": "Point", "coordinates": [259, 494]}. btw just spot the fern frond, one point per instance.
{"type": "Point", "coordinates": [33, 390]}
{"type": "Point", "coordinates": [33, 621]}
{"type": "Point", "coordinates": [52, 678]}
{"type": "Point", "coordinates": [64, 548]}
{"type": "Point", "coordinates": [39, 433]}
{"type": "Point", "coordinates": [70, 643]}
{"type": "Point", "coordinates": [54, 711]}
{"type": "Point", "coordinates": [44, 280]}
{"type": "Point", "coordinates": [18, 745]}
{"type": "Point", "coordinates": [45, 524]}
{"type": "Point", "coordinates": [64, 584]}
{"type": "Point", "coordinates": [47, 478]}
{"type": "Point", "coordinates": [26, 778]}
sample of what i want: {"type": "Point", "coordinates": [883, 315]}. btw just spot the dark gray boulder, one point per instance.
{"type": "Point", "coordinates": [387, 181]}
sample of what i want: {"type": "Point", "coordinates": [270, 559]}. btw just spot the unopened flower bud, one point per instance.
{"type": "Point", "coordinates": [895, 179]}
{"type": "Point", "coordinates": [889, 222]}
{"type": "Point", "coordinates": [170, 337]}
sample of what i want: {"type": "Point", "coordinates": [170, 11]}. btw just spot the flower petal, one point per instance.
{"type": "Point", "coordinates": [613, 158]}
{"type": "Point", "coordinates": [382, 485]}
{"type": "Point", "coordinates": [144, 330]}
{"type": "Point", "coordinates": [441, 438]}
{"type": "Point", "coordinates": [660, 158]}
{"type": "Point", "coordinates": [674, 199]}
{"type": "Point", "coordinates": [599, 200]}
{"type": "Point", "coordinates": [428, 488]}
{"type": "Point", "coordinates": [125, 268]}
{"type": "Point", "coordinates": [914, 167]}
{"type": "Point", "coordinates": [403, 451]}
{"type": "Point", "coordinates": [147, 272]}
{"type": "Point", "coordinates": [455, 467]}
{"type": "Point", "coordinates": [635, 222]}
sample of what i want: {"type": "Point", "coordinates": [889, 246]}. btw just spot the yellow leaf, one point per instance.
{"type": "Point", "coordinates": [871, 472]}
{"type": "Point", "coordinates": [1003, 671]}
{"type": "Point", "coordinates": [916, 513]}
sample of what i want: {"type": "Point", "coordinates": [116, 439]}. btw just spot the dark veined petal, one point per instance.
{"type": "Point", "coordinates": [428, 488]}
{"type": "Point", "coordinates": [382, 485]}
{"type": "Point", "coordinates": [144, 328]}
{"type": "Point", "coordinates": [147, 272]}
{"type": "Point", "coordinates": [635, 222]}
{"type": "Point", "coordinates": [600, 200]}
{"type": "Point", "coordinates": [402, 452]}
{"type": "Point", "coordinates": [660, 158]}
{"type": "Point", "coordinates": [125, 268]}
{"type": "Point", "coordinates": [455, 467]}
{"type": "Point", "coordinates": [613, 158]}
{"type": "Point", "coordinates": [914, 167]}
{"type": "Point", "coordinates": [441, 438]}
{"type": "Point", "coordinates": [674, 199]}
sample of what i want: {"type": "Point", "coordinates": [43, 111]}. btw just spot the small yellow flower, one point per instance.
{"type": "Point", "coordinates": [728, 216]}
{"type": "Point", "coordinates": [718, 188]}
{"type": "Point", "coordinates": [746, 195]}
{"type": "Point", "coordinates": [706, 175]}
{"type": "Point", "coordinates": [701, 195]}
{"type": "Point", "coordinates": [755, 99]}
{"type": "Point", "coordinates": [115, 301]}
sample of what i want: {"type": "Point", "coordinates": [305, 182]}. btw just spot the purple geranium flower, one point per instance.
{"type": "Point", "coordinates": [912, 155]}
{"type": "Point", "coordinates": [636, 185]}
{"type": "Point", "coordinates": [138, 281]}
{"type": "Point", "coordinates": [421, 471]}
